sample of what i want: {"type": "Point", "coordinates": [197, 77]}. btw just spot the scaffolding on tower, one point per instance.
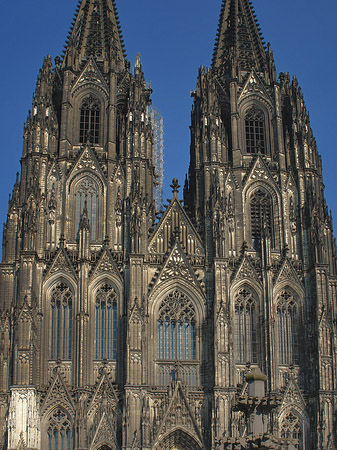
{"type": "Point", "coordinates": [158, 154]}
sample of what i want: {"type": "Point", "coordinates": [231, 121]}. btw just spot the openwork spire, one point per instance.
{"type": "Point", "coordinates": [239, 39]}
{"type": "Point", "coordinates": [95, 32]}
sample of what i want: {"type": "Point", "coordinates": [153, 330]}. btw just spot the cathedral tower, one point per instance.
{"type": "Point", "coordinates": [211, 325]}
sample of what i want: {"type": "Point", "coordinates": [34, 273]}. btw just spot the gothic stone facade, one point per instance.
{"type": "Point", "coordinates": [125, 329]}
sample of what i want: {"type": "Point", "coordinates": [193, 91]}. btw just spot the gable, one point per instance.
{"type": "Point", "coordinates": [292, 396]}
{"type": "Point", "coordinates": [58, 395]}
{"type": "Point", "coordinates": [255, 87]}
{"type": "Point", "coordinates": [246, 271]}
{"type": "Point", "coordinates": [260, 172]}
{"type": "Point", "coordinates": [176, 266]}
{"type": "Point", "coordinates": [179, 412]}
{"type": "Point", "coordinates": [175, 221]}
{"type": "Point", "coordinates": [287, 273]}
{"type": "Point", "coordinates": [91, 76]}
{"type": "Point", "coordinates": [105, 265]}
{"type": "Point", "coordinates": [104, 395]}
{"type": "Point", "coordinates": [87, 161]}
{"type": "Point", "coordinates": [60, 263]}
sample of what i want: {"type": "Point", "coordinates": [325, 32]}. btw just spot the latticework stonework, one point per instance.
{"type": "Point", "coordinates": [124, 328]}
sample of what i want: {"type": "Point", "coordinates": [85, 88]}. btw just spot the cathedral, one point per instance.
{"type": "Point", "coordinates": [209, 325]}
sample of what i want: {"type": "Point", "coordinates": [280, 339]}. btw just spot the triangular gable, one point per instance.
{"type": "Point", "coordinates": [260, 172]}
{"type": "Point", "coordinates": [174, 215]}
{"type": "Point", "coordinates": [91, 76]}
{"type": "Point", "coordinates": [177, 266]}
{"type": "Point", "coordinates": [290, 184]}
{"type": "Point", "coordinates": [231, 180]}
{"type": "Point", "coordinates": [179, 408]}
{"type": "Point", "coordinates": [254, 86]}
{"type": "Point", "coordinates": [287, 273]}
{"type": "Point", "coordinates": [54, 171]}
{"type": "Point", "coordinates": [105, 264]}
{"type": "Point", "coordinates": [136, 314]}
{"type": "Point", "coordinates": [61, 263]}
{"type": "Point", "coordinates": [292, 396]}
{"type": "Point", "coordinates": [104, 393]}
{"type": "Point", "coordinates": [118, 174]}
{"type": "Point", "coordinates": [105, 433]}
{"type": "Point", "coordinates": [223, 314]}
{"type": "Point", "coordinates": [58, 395]}
{"type": "Point", "coordinates": [25, 313]}
{"type": "Point", "coordinates": [245, 271]}
{"type": "Point", "coordinates": [87, 160]}
{"type": "Point", "coordinates": [4, 322]}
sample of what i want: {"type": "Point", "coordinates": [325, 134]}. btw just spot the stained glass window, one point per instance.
{"type": "Point", "coordinates": [261, 217]}
{"type": "Point", "coordinates": [291, 429]}
{"type": "Point", "coordinates": [90, 120]}
{"type": "Point", "coordinates": [245, 328]}
{"type": "Point", "coordinates": [287, 325]}
{"type": "Point", "coordinates": [60, 431]}
{"type": "Point", "coordinates": [177, 328]}
{"type": "Point", "coordinates": [87, 195]}
{"type": "Point", "coordinates": [61, 322]}
{"type": "Point", "coordinates": [106, 323]}
{"type": "Point", "coordinates": [255, 131]}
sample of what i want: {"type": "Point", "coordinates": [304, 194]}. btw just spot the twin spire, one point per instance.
{"type": "Point", "coordinates": [95, 32]}
{"type": "Point", "coordinates": [239, 39]}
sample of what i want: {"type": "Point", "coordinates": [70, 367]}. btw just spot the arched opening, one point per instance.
{"type": "Point", "coordinates": [245, 327]}
{"type": "Point", "coordinates": [106, 322]}
{"type": "Point", "coordinates": [60, 431]}
{"type": "Point", "coordinates": [178, 440]}
{"type": "Point", "coordinates": [90, 115]}
{"type": "Point", "coordinates": [255, 131]}
{"type": "Point", "coordinates": [287, 325]}
{"type": "Point", "coordinates": [292, 430]}
{"type": "Point", "coordinates": [61, 303]}
{"type": "Point", "coordinates": [177, 330]}
{"type": "Point", "coordinates": [261, 218]}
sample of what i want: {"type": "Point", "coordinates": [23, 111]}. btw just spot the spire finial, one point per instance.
{"type": "Point", "coordinates": [175, 186]}
{"type": "Point", "coordinates": [138, 64]}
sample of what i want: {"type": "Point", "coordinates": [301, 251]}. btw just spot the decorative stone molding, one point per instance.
{"type": "Point", "coordinates": [23, 419]}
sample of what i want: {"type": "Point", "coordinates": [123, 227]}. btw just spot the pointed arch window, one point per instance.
{"type": "Point", "coordinates": [90, 116]}
{"type": "Point", "coordinates": [261, 217]}
{"type": "Point", "coordinates": [287, 325]}
{"type": "Point", "coordinates": [292, 430]}
{"type": "Point", "coordinates": [255, 131]}
{"type": "Point", "coordinates": [60, 436]}
{"type": "Point", "coordinates": [106, 323]}
{"type": "Point", "coordinates": [87, 195]}
{"type": "Point", "coordinates": [61, 322]}
{"type": "Point", "coordinates": [177, 328]}
{"type": "Point", "coordinates": [245, 328]}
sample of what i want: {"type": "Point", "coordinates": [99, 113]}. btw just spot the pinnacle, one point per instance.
{"type": "Point", "coordinates": [239, 37]}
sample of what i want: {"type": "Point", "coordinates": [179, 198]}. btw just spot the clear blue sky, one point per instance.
{"type": "Point", "coordinates": [174, 38]}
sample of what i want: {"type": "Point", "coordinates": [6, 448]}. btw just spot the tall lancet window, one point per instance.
{"type": "Point", "coordinates": [287, 326]}
{"type": "Point", "coordinates": [245, 328]}
{"type": "Point", "coordinates": [177, 328]}
{"type": "Point", "coordinates": [87, 195]}
{"type": "Point", "coordinates": [61, 322]}
{"type": "Point", "coordinates": [255, 131]}
{"type": "Point", "coordinates": [90, 116]}
{"type": "Point", "coordinates": [60, 436]}
{"type": "Point", "coordinates": [261, 217]}
{"type": "Point", "coordinates": [106, 323]}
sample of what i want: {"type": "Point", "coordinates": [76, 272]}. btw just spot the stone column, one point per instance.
{"type": "Point", "coordinates": [23, 419]}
